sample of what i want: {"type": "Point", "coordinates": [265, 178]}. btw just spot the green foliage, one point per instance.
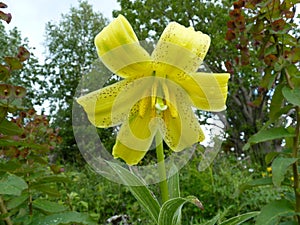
{"type": "Point", "coordinates": [218, 188]}
{"type": "Point", "coordinates": [139, 190]}
{"type": "Point", "coordinates": [70, 54]}
{"type": "Point", "coordinates": [28, 180]}
{"type": "Point", "coordinates": [12, 185]}
{"type": "Point", "coordinates": [108, 199]}
{"type": "Point", "coordinates": [271, 213]}
{"type": "Point", "coordinates": [262, 55]}
{"type": "Point", "coordinates": [270, 30]}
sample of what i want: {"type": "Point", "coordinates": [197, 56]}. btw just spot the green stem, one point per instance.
{"type": "Point", "coordinates": [161, 168]}
{"type": "Point", "coordinates": [3, 210]}
{"type": "Point", "coordinates": [295, 165]}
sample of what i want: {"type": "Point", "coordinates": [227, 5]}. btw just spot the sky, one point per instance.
{"type": "Point", "coordinates": [30, 16]}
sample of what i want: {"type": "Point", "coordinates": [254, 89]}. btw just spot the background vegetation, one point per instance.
{"type": "Point", "coordinates": [42, 174]}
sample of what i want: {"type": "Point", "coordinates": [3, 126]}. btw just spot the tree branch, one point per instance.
{"type": "Point", "coordinates": [3, 210]}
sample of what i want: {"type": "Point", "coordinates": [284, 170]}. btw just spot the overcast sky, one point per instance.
{"type": "Point", "coordinates": [30, 16]}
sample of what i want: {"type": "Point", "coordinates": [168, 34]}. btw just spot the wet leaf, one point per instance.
{"type": "Point", "coordinates": [64, 218]}
{"type": "Point", "coordinates": [12, 185]}
{"type": "Point", "coordinates": [47, 206]}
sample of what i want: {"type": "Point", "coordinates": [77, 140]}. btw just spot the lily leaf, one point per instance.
{"type": "Point", "coordinates": [237, 220]}
{"type": "Point", "coordinates": [170, 213]}
{"type": "Point", "coordinates": [139, 190]}
{"type": "Point", "coordinates": [173, 183]}
{"type": "Point", "coordinates": [213, 221]}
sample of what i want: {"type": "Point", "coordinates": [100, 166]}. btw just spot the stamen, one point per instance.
{"type": "Point", "coordinates": [160, 105]}
{"type": "Point", "coordinates": [153, 96]}
{"type": "Point", "coordinates": [171, 103]}
{"type": "Point", "coordinates": [143, 107]}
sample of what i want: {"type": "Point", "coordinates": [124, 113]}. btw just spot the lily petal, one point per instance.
{"type": "Point", "coordinates": [208, 91]}
{"type": "Point", "coordinates": [130, 156]}
{"type": "Point", "coordinates": [119, 49]}
{"type": "Point", "coordinates": [180, 49]}
{"type": "Point", "coordinates": [181, 129]}
{"type": "Point", "coordinates": [99, 104]}
{"type": "Point", "coordinates": [136, 134]}
{"type": "Point", "coordinates": [111, 105]}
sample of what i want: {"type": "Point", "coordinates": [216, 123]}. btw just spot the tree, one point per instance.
{"type": "Point", "coordinates": [27, 77]}
{"type": "Point", "coordinates": [70, 53]}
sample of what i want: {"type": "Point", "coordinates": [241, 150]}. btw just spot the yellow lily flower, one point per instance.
{"type": "Point", "coordinates": [158, 91]}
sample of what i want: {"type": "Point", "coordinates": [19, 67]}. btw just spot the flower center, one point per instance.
{"type": "Point", "coordinates": [160, 105]}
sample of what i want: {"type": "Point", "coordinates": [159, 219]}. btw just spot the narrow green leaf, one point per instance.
{"type": "Point", "coordinates": [12, 185]}
{"type": "Point", "coordinates": [213, 221]}
{"type": "Point", "coordinates": [256, 183]}
{"type": "Point", "coordinates": [7, 143]}
{"type": "Point", "coordinates": [271, 213]}
{"type": "Point", "coordinates": [268, 135]}
{"type": "Point", "coordinates": [47, 206]}
{"type": "Point", "coordinates": [170, 212]}
{"type": "Point", "coordinates": [173, 183]}
{"type": "Point", "coordinates": [139, 190]}
{"type": "Point", "coordinates": [237, 220]}
{"type": "Point", "coordinates": [10, 166]}
{"type": "Point", "coordinates": [292, 95]}
{"type": "Point", "coordinates": [53, 179]}
{"type": "Point", "coordinates": [64, 218]}
{"type": "Point", "coordinates": [280, 166]}
{"type": "Point", "coordinates": [276, 102]}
